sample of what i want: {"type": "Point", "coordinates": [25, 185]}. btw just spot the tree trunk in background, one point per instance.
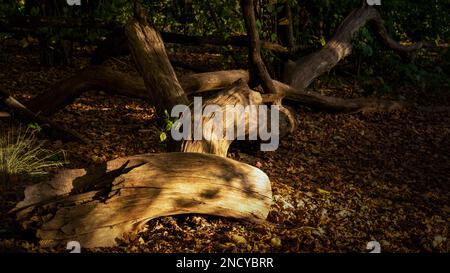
{"type": "Point", "coordinates": [56, 52]}
{"type": "Point", "coordinates": [258, 70]}
{"type": "Point", "coordinates": [286, 26]}
{"type": "Point", "coordinates": [300, 74]}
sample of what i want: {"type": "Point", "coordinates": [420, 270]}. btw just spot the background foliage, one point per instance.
{"type": "Point", "coordinates": [314, 22]}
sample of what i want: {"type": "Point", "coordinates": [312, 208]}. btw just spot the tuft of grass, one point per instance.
{"type": "Point", "coordinates": [22, 153]}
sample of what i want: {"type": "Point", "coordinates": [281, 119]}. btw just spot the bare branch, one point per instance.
{"type": "Point", "coordinates": [257, 66]}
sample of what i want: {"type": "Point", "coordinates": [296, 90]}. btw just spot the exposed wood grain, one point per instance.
{"type": "Point", "coordinates": [151, 186]}
{"type": "Point", "coordinates": [237, 94]}
{"type": "Point", "coordinates": [149, 53]}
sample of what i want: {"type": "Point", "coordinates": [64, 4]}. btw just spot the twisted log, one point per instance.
{"type": "Point", "coordinates": [97, 206]}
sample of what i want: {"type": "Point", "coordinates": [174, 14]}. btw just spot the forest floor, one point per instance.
{"type": "Point", "coordinates": [338, 182]}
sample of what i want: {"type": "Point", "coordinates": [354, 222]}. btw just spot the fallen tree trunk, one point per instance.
{"type": "Point", "coordinates": [52, 129]}
{"type": "Point", "coordinates": [66, 91]}
{"type": "Point", "coordinates": [97, 206]}
{"type": "Point", "coordinates": [114, 82]}
{"type": "Point", "coordinates": [318, 101]}
{"type": "Point", "coordinates": [104, 78]}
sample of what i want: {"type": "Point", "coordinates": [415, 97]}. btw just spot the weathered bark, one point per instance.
{"type": "Point", "coordinates": [238, 94]}
{"type": "Point", "coordinates": [203, 82]}
{"type": "Point", "coordinates": [147, 49]}
{"type": "Point", "coordinates": [49, 127]}
{"type": "Point", "coordinates": [131, 86]}
{"type": "Point", "coordinates": [302, 73]}
{"type": "Point", "coordinates": [317, 101]}
{"type": "Point", "coordinates": [134, 190]}
{"type": "Point", "coordinates": [91, 78]}
{"type": "Point", "coordinates": [114, 82]}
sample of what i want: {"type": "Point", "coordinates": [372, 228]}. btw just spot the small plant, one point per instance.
{"type": "Point", "coordinates": [35, 127]}
{"type": "Point", "coordinates": [21, 153]}
{"type": "Point", "coordinates": [169, 122]}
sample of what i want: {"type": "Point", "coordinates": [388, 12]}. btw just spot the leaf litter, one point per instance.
{"type": "Point", "coordinates": [338, 182]}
